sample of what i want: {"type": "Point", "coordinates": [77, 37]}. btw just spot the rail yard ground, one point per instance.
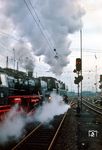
{"type": "Point", "coordinates": [67, 139]}
{"type": "Point", "coordinates": [81, 132]}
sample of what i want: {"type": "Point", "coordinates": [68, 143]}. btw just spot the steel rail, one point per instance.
{"type": "Point", "coordinates": [52, 142]}
{"type": "Point", "coordinates": [14, 148]}
{"type": "Point", "coordinates": [92, 104]}
{"type": "Point", "coordinates": [95, 110]}
{"type": "Point", "coordinates": [35, 129]}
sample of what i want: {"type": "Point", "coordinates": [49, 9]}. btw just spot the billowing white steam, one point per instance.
{"type": "Point", "coordinates": [13, 126]}
{"type": "Point", "coordinates": [50, 109]}
{"type": "Point", "coordinates": [59, 17]}
{"type": "Point", "coordinates": [24, 55]}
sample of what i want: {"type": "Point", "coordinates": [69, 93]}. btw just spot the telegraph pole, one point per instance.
{"type": "Point", "coordinates": [17, 66]}
{"type": "Point", "coordinates": [81, 64]}
{"type": "Point", "coordinates": [14, 58]}
{"type": "Point", "coordinates": [78, 90]}
{"type": "Point", "coordinates": [96, 75]}
{"type": "Point", "coordinates": [100, 86]}
{"type": "Point", "coordinates": [7, 62]}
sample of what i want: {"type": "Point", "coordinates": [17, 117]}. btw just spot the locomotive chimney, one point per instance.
{"type": "Point", "coordinates": [30, 73]}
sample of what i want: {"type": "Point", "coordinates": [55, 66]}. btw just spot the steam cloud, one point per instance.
{"type": "Point", "coordinates": [60, 18]}
{"type": "Point", "coordinates": [13, 126]}
{"type": "Point", "coordinates": [23, 55]}
{"type": "Point", "coordinates": [50, 109]}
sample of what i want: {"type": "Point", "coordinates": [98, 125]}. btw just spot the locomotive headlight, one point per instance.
{"type": "Point", "coordinates": [50, 97]}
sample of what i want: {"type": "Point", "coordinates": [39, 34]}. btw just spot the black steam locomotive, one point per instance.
{"type": "Point", "coordinates": [22, 88]}
{"type": "Point", "coordinates": [13, 82]}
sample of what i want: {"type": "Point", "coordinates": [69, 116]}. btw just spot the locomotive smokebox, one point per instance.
{"type": "Point", "coordinates": [30, 73]}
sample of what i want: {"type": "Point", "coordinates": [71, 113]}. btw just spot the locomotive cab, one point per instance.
{"type": "Point", "coordinates": [4, 91]}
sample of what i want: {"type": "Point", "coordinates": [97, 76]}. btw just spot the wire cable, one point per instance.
{"type": "Point", "coordinates": [40, 21]}
{"type": "Point", "coordinates": [8, 35]}
{"type": "Point", "coordinates": [38, 25]}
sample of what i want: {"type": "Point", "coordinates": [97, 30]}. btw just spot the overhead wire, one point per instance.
{"type": "Point", "coordinates": [9, 35]}
{"type": "Point", "coordinates": [94, 51]}
{"type": "Point", "coordinates": [3, 46]}
{"type": "Point", "coordinates": [2, 55]}
{"type": "Point", "coordinates": [88, 50]}
{"type": "Point", "coordinates": [56, 54]}
{"type": "Point", "coordinates": [38, 26]}
{"type": "Point", "coordinates": [36, 14]}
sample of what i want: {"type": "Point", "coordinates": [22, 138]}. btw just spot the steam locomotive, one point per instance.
{"type": "Point", "coordinates": [25, 90]}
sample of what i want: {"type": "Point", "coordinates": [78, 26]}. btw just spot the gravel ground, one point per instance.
{"type": "Point", "coordinates": [67, 139]}
{"type": "Point", "coordinates": [74, 132]}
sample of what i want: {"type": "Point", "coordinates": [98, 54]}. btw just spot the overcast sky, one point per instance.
{"type": "Point", "coordinates": [92, 44]}
{"type": "Point", "coordinates": [34, 31]}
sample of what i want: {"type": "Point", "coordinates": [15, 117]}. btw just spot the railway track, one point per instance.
{"type": "Point", "coordinates": [28, 129]}
{"type": "Point", "coordinates": [92, 107]}
{"type": "Point", "coordinates": [42, 137]}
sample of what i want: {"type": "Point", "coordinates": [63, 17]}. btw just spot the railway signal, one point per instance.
{"type": "Point", "coordinates": [100, 78]}
{"type": "Point", "coordinates": [78, 79]}
{"type": "Point", "coordinates": [74, 71]}
{"type": "Point", "coordinates": [100, 86]}
{"type": "Point", "coordinates": [78, 64]}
